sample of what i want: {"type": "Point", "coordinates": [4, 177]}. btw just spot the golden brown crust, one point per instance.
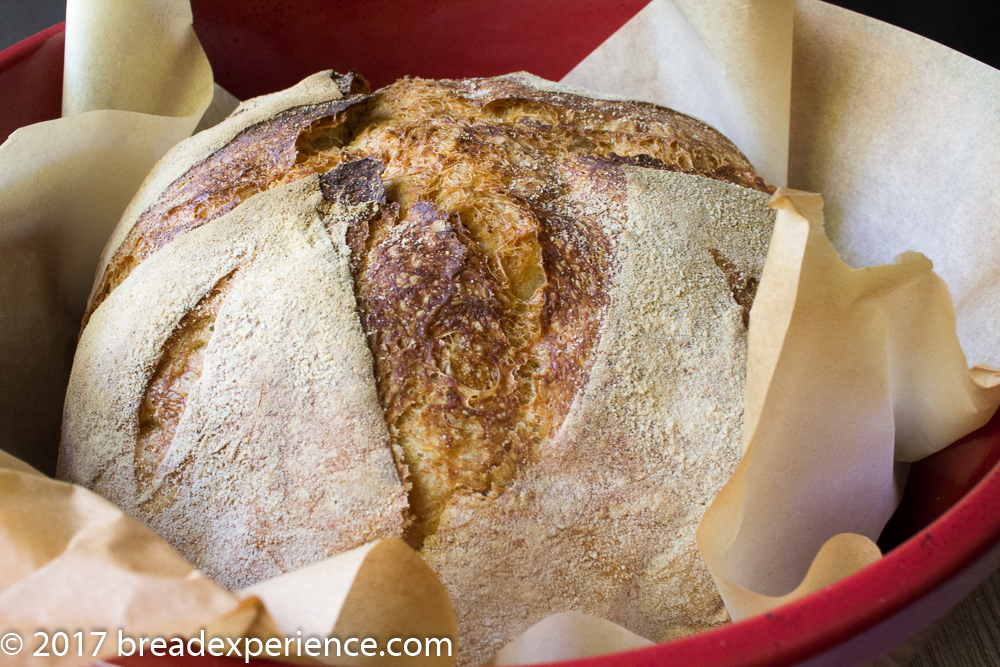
{"type": "Point", "coordinates": [254, 161]}
{"type": "Point", "coordinates": [488, 230]}
{"type": "Point", "coordinates": [472, 378]}
{"type": "Point", "coordinates": [297, 141]}
{"type": "Point", "coordinates": [603, 522]}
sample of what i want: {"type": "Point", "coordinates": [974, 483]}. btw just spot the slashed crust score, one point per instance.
{"type": "Point", "coordinates": [479, 379]}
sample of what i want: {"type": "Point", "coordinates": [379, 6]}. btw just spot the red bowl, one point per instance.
{"type": "Point", "coordinates": [942, 542]}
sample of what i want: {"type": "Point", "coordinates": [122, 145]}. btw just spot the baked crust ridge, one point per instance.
{"type": "Point", "coordinates": [456, 294]}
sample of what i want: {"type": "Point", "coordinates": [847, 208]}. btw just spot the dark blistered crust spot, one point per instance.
{"type": "Point", "coordinates": [355, 183]}
{"type": "Point", "coordinates": [641, 160]}
{"type": "Point", "coordinates": [356, 189]}
{"type": "Point", "coordinates": [351, 83]}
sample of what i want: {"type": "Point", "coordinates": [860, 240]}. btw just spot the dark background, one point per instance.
{"type": "Point", "coordinates": [969, 26]}
{"type": "Point", "coordinates": [23, 18]}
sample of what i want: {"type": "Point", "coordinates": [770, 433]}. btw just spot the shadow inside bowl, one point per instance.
{"type": "Point", "coordinates": [940, 480]}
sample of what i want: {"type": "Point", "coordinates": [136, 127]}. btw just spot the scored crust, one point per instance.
{"type": "Point", "coordinates": [270, 402]}
{"type": "Point", "coordinates": [492, 238]}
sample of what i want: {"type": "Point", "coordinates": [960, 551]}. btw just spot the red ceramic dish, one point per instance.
{"type": "Point", "coordinates": [945, 537]}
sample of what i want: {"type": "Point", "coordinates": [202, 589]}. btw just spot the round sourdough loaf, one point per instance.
{"type": "Point", "coordinates": [499, 318]}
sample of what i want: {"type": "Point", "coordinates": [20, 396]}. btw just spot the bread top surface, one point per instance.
{"type": "Point", "coordinates": [489, 236]}
{"type": "Point", "coordinates": [604, 522]}
{"type": "Point", "coordinates": [326, 120]}
{"type": "Point", "coordinates": [480, 353]}
{"type": "Point", "coordinates": [224, 395]}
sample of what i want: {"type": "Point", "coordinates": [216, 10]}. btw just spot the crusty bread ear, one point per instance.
{"type": "Point", "coordinates": [499, 324]}
{"type": "Point", "coordinates": [177, 195]}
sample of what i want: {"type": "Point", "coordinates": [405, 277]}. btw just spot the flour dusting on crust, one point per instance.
{"type": "Point", "coordinates": [506, 322]}
{"type": "Point", "coordinates": [281, 456]}
{"type": "Point", "coordinates": [604, 523]}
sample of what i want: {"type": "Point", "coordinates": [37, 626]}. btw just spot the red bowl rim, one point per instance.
{"type": "Point", "coordinates": [15, 53]}
{"type": "Point", "coordinates": [817, 622]}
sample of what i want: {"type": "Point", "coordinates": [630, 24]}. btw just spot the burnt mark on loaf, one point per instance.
{"type": "Point", "coordinates": [644, 160]}
{"type": "Point", "coordinates": [355, 183]}
{"type": "Point", "coordinates": [351, 83]}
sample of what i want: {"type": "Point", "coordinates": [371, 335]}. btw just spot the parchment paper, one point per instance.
{"type": "Point", "coordinates": [65, 183]}
{"type": "Point", "coordinates": [727, 62]}
{"type": "Point", "coordinates": [380, 590]}
{"type": "Point", "coordinates": [901, 135]}
{"type": "Point", "coordinates": [897, 132]}
{"type": "Point", "coordinates": [849, 372]}
{"type": "Point", "coordinates": [568, 636]}
{"type": "Point", "coordinates": [94, 568]}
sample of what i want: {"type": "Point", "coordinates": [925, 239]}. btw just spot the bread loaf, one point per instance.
{"type": "Point", "coordinates": [475, 314]}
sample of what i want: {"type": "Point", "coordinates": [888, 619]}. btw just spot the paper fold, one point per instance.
{"type": "Point", "coordinates": [134, 56]}
{"type": "Point", "coordinates": [381, 590]}
{"type": "Point", "coordinates": [568, 636]}
{"type": "Point", "coordinates": [849, 371]}
{"type": "Point", "coordinates": [92, 567]}
{"type": "Point", "coordinates": [901, 135]}
{"type": "Point", "coordinates": [64, 184]}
